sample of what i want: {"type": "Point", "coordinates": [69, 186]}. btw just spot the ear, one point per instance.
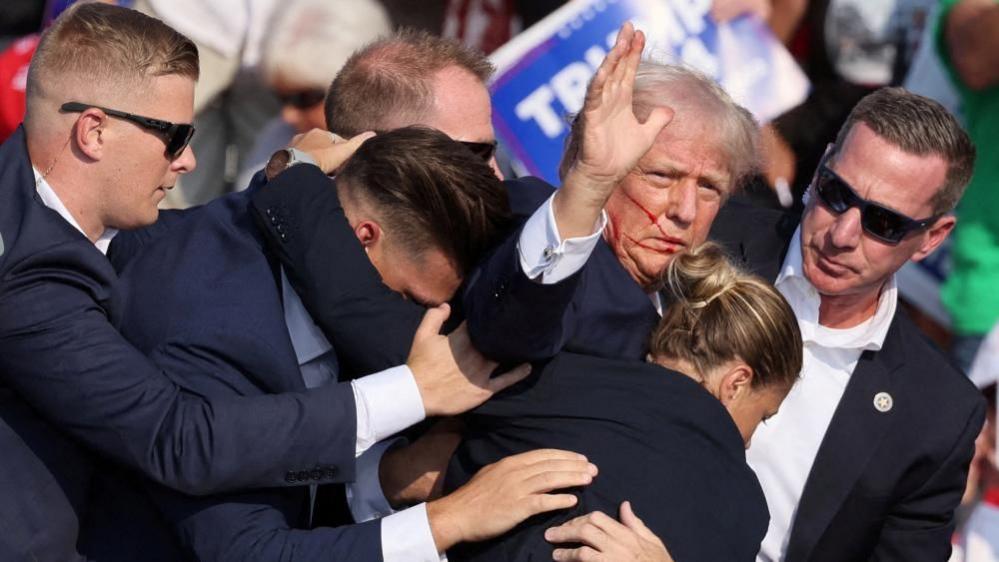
{"type": "Point", "coordinates": [736, 382]}
{"type": "Point", "coordinates": [88, 133]}
{"type": "Point", "coordinates": [935, 236]}
{"type": "Point", "coordinates": [368, 233]}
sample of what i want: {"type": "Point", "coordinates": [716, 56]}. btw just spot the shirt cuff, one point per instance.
{"type": "Point", "coordinates": [364, 495]}
{"type": "Point", "coordinates": [406, 537]}
{"type": "Point", "coordinates": [545, 256]}
{"type": "Point", "coordinates": [387, 403]}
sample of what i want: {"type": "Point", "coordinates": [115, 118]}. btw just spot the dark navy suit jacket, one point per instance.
{"type": "Point", "coordinates": [599, 311]}
{"type": "Point", "coordinates": [659, 439]}
{"type": "Point", "coordinates": [203, 301]}
{"type": "Point", "coordinates": [66, 372]}
{"type": "Point", "coordinates": [883, 486]}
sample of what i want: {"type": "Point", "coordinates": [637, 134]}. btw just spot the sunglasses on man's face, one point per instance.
{"type": "Point", "coordinates": [178, 135]}
{"type": "Point", "coordinates": [882, 223]}
{"type": "Point", "coordinates": [484, 150]}
{"type": "Point", "coordinates": [303, 99]}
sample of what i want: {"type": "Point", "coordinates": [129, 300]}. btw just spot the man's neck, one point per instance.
{"type": "Point", "coordinates": [847, 311]}
{"type": "Point", "coordinates": [56, 170]}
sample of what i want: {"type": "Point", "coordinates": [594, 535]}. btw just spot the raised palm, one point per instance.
{"type": "Point", "coordinates": [613, 139]}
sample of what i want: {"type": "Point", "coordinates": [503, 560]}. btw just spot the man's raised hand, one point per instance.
{"type": "Point", "coordinates": [612, 140]}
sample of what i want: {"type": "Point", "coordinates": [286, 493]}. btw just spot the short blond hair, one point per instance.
{"type": "Point", "coordinates": [113, 48]}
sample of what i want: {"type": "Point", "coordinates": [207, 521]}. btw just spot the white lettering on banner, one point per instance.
{"type": "Point", "coordinates": [677, 26]}
{"type": "Point", "coordinates": [692, 13]}
{"type": "Point", "coordinates": [570, 85]}
{"type": "Point", "coordinates": [537, 106]}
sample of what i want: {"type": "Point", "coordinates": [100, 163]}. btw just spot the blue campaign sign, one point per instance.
{"type": "Point", "coordinates": [543, 73]}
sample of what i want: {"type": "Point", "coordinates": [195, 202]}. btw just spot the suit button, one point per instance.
{"type": "Point", "coordinates": [279, 227]}
{"type": "Point", "coordinates": [284, 237]}
{"type": "Point", "coordinates": [269, 211]}
{"type": "Point", "coordinates": [330, 473]}
{"type": "Point", "coordinates": [316, 474]}
{"type": "Point", "coordinates": [289, 477]}
{"type": "Point", "coordinates": [303, 475]}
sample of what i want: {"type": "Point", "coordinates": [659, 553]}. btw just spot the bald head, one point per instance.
{"type": "Point", "coordinates": [391, 82]}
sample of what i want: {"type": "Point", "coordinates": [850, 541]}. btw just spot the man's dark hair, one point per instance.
{"type": "Point", "coordinates": [920, 126]}
{"type": "Point", "coordinates": [430, 191]}
{"type": "Point", "coordinates": [389, 82]}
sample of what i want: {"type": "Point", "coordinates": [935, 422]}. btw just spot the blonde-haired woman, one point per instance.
{"type": "Point", "coordinates": [669, 440]}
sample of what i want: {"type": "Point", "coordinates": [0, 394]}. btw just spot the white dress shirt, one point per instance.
{"type": "Point", "coordinates": [387, 402]}
{"type": "Point", "coordinates": [52, 201]}
{"type": "Point", "coordinates": [784, 447]}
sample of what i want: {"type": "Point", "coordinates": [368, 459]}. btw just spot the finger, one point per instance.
{"type": "Point", "coordinates": [580, 530]}
{"type": "Point", "coordinates": [538, 455]}
{"type": "Point", "coordinates": [432, 321]}
{"type": "Point", "coordinates": [657, 120]}
{"type": "Point", "coordinates": [356, 140]}
{"type": "Point", "coordinates": [543, 503]}
{"type": "Point", "coordinates": [631, 63]}
{"type": "Point", "coordinates": [582, 554]}
{"type": "Point", "coordinates": [631, 521]}
{"type": "Point", "coordinates": [510, 378]}
{"type": "Point", "coordinates": [549, 480]}
{"type": "Point", "coordinates": [559, 465]}
{"type": "Point", "coordinates": [609, 64]}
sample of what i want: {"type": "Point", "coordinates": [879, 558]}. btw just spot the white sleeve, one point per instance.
{"type": "Point", "coordinates": [364, 495]}
{"type": "Point", "coordinates": [543, 253]}
{"type": "Point", "coordinates": [406, 537]}
{"type": "Point", "coordinates": [387, 402]}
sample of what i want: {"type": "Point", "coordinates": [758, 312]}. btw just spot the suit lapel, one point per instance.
{"type": "Point", "coordinates": [854, 434]}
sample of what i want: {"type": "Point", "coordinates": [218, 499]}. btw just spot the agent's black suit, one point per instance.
{"type": "Point", "coordinates": [68, 378]}
{"type": "Point", "coordinates": [659, 439]}
{"type": "Point", "coordinates": [883, 486]}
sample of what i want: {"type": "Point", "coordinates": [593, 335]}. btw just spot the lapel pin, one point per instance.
{"type": "Point", "coordinates": [883, 402]}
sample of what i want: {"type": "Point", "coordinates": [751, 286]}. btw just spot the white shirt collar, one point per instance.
{"type": "Point", "coordinates": [804, 300]}
{"type": "Point", "coordinates": [52, 201]}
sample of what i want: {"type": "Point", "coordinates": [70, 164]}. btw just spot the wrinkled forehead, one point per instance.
{"type": "Point", "coordinates": [692, 144]}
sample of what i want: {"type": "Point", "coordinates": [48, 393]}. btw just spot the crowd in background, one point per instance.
{"type": "Point", "coordinates": [266, 67]}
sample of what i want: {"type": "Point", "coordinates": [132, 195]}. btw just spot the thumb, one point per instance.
{"type": "Point", "coordinates": [358, 139]}
{"type": "Point", "coordinates": [432, 322]}
{"type": "Point", "coordinates": [657, 120]}
{"type": "Point", "coordinates": [631, 521]}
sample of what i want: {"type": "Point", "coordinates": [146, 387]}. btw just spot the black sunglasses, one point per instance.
{"type": "Point", "coordinates": [303, 99]}
{"type": "Point", "coordinates": [484, 150]}
{"type": "Point", "coordinates": [882, 223]}
{"type": "Point", "coordinates": [178, 135]}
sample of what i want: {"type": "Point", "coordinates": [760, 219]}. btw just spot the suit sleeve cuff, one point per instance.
{"type": "Point", "coordinates": [406, 537]}
{"type": "Point", "coordinates": [544, 256]}
{"type": "Point", "coordinates": [387, 403]}
{"type": "Point", "coordinates": [365, 496]}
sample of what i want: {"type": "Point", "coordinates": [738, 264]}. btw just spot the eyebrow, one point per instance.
{"type": "Point", "coordinates": [719, 180]}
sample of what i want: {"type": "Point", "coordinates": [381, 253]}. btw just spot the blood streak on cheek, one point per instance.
{"type": "Point", "coordinates": [653, 219]}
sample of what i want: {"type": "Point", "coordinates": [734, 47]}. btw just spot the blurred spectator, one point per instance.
{"type": "Point", "coordinates": [968, 41]}
{"type": "Point", "coordinates": [979, 539]}
{"type": "Point", "coordinates": [19, 18]}
{"type": "Point", "coordinates": [231, 102]}
{"type": "Point", "coordinates": [481, 24]}
{"type": "Point", "coordinates": [15, 59]}
{"type": "Point", "coordinates": [13, 80]}
{"type": "Point", "coordinates": [848, 48]}
{"type": "Point", "coordinates": [308, 42]}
